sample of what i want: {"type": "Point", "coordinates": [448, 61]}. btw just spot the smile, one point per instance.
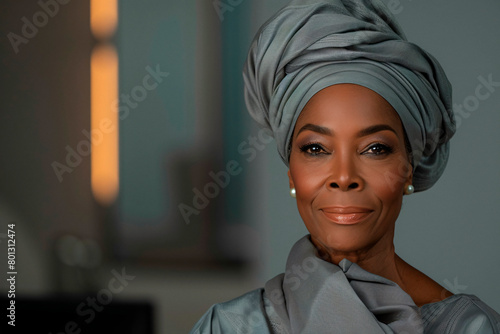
{"type": "Point", "coordinates": [346, 215]}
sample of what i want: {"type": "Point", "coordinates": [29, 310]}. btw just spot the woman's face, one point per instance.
{"type": "Point", "coordinates": [349, 166]}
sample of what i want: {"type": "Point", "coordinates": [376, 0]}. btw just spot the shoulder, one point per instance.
{"type": "Point", "coordinates": [246, 311]}
{"type": "Point", "coordinates": [462, 314]}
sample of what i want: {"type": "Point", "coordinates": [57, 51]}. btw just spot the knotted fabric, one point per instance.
{"type": "Point", "coordinates": [310, 45]}
{"type": "Point", "coordinates": [316, 296]}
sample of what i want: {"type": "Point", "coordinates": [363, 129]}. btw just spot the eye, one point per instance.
{"type": "Point", "coordinates": [313, 149]}
{"type": "Point", "coordinates": [378, 149]}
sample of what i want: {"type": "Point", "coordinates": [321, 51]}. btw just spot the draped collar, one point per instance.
{"type": "Point", "coordinates": [316, 296]}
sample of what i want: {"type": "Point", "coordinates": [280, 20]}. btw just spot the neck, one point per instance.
{"type": "Point", "coordinates": [379, 259]}
{"type": "Point", "coordinates": [382, 260]}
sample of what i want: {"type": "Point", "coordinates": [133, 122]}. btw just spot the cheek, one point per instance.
{"type": "Point", "coordinates": [388, 183]}
{"type": "Point", "coordinates": [307, 181]}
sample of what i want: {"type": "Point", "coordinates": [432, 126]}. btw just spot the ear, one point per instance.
{"type": "Point", "coordinates": [409, 178]}
{"type": "Point", "coordinates": [290, 180]}
{"type": "Point", "coordinates": [409, 159]}
{"type": "Point", "coordinates": [410, 174]}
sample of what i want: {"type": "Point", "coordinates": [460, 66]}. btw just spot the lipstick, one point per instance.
{"type": "Point", "coordinates": [346, 215]}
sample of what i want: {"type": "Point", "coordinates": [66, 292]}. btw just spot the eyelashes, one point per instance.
{"type": "Point", "coordinates": [375, 149]}
{"type": "Point", "coordinates": [313, 149]}
{"type": "Point", "coordinates": [378, 149]}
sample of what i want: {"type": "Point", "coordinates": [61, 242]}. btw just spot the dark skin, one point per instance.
{"type": "Point", "coordinates": [349, 166]}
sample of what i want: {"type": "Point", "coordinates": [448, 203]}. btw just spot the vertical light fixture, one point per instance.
{"type": "Point", "coordinates": [103, 18]}
{"type": "Point", "coordinates": [103, 95]}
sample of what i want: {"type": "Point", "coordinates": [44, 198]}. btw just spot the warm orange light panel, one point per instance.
{"type": "Point", "coordinates": [103, 17]}
{"type": "Point", "coordinates": [104, 123]}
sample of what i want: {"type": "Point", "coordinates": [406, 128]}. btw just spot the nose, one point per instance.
{"type": "Point", "coordinates": [344, 174]}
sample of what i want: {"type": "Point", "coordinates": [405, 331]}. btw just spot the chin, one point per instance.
{"type": "Point", "coordinates": [340, 242]}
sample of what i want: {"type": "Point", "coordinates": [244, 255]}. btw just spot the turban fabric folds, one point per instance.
{"type": "Point", "coordinates": [310, 45]}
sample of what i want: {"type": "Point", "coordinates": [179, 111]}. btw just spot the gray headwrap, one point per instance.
{"type": "Point", "coordinates": [311, 44]}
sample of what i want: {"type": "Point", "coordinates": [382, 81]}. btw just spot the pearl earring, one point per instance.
{"type": "Point", "coordinates": [293, 192]}
{"type": "Point", "coordinates": [409, 189]}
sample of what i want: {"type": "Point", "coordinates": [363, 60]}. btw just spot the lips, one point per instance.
{"type": "Point", "coordinates": [346, 215]}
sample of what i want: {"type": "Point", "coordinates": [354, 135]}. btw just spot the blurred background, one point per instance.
{"type": "Point", "coordinates": [135, 177]}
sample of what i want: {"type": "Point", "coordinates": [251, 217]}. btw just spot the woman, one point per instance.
{"type": "Point", "coordinates": [361, 117]}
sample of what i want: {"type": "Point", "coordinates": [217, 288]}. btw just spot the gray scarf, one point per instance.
{"type": "Point", "coordinates": [316, 296]}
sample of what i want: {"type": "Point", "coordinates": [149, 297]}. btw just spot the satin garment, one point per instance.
{"type": "Point", "coordinates": [315, 296]}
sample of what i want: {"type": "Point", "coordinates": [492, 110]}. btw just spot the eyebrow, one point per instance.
{"type": "Point", "coordinates": [365, 132]}
{"type": "Point", "coordinates": [315, 128]}
{"type": "Point", "coordinates": [374, 129]}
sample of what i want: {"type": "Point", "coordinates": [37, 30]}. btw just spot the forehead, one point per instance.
{"type": "Point", "coordinates": [349, 106]}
